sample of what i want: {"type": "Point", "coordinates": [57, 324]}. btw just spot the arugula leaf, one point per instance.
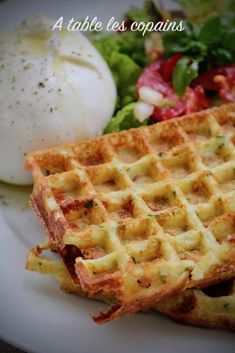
{"type": "Point", "coordinates": [185, 71]}
{"type": "Point", "coordinates": [222, 56]}
{"type": "Point", "coordinates": [123, 120]}
{"type": "Point", "coordinates": [185, 41]}
{"type": "Point", "coordinates": [228, 40]}
{"type": "Point", "coordinates": [174, 42]}
{"type": "Point", "coordinates": [213, 42]}
{"type": "Point", "coordinates": [211, 31]}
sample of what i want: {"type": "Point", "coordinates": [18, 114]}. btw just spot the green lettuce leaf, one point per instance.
{"type": "Point", "coordinates": [129, 43]}
{"type": "Point", "coordinates": [123, 120]}
{"type": "Point", "coordinates": [126, 73]}
{"type": "Point", "coordinates": [125, 55]}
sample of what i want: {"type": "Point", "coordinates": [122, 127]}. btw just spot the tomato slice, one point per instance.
{"type": "Point", "coordinates": [152, 78]}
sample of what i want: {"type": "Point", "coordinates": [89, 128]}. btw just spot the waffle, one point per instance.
{"type": "Point", "coordinates": [143, 214]}
{"type": "Point", "coordinates": [214, 307]}
{"type": "Point", "coordinates": [44, 259]}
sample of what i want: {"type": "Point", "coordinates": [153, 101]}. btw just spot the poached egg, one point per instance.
{"type": "Point", "coordinates": [55, 88]}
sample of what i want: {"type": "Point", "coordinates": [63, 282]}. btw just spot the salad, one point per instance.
{"type": "Point", "coordinates": [163, 75]}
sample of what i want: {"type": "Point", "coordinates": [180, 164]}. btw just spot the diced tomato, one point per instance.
{"type": "Point", "coordinates": [226, 87]}
{"type": "Point", "coordinates": [206, 80]}
{"type": "Point", "coordinates": [152, 77]}
{"type": "Point", "coordinates": [195, 99]}
{"type": "Point", "coordinates": [161, 114]}
{"type": "Point", "coordinates": [221, 80]}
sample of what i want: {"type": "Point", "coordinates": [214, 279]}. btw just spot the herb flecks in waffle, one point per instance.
{"type": "Point", "coordinates": [143, 208]}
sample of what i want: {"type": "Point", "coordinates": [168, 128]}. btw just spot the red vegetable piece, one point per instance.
{"type": "Point", "coordinates": [226, 87]}
{"type": "Point", "coordinates": [193, 100]}
{"type": "Point", "coordinates": [206, 80]}
{"type": "Point", "coordinates": [168, 65]}
{"type": "Point", "coordinates": [152, 78]}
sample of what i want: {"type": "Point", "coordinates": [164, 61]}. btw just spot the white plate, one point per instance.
{"type": "Point", "coordinates": [34, 314]}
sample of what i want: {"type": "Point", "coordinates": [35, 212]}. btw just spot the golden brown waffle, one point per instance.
{"type": "Point", "coordinates": [214, 307]}
{"type": "Point", "coordinates": [143, 214]}
{"type": "Point", "coordinates": [45, 260]}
